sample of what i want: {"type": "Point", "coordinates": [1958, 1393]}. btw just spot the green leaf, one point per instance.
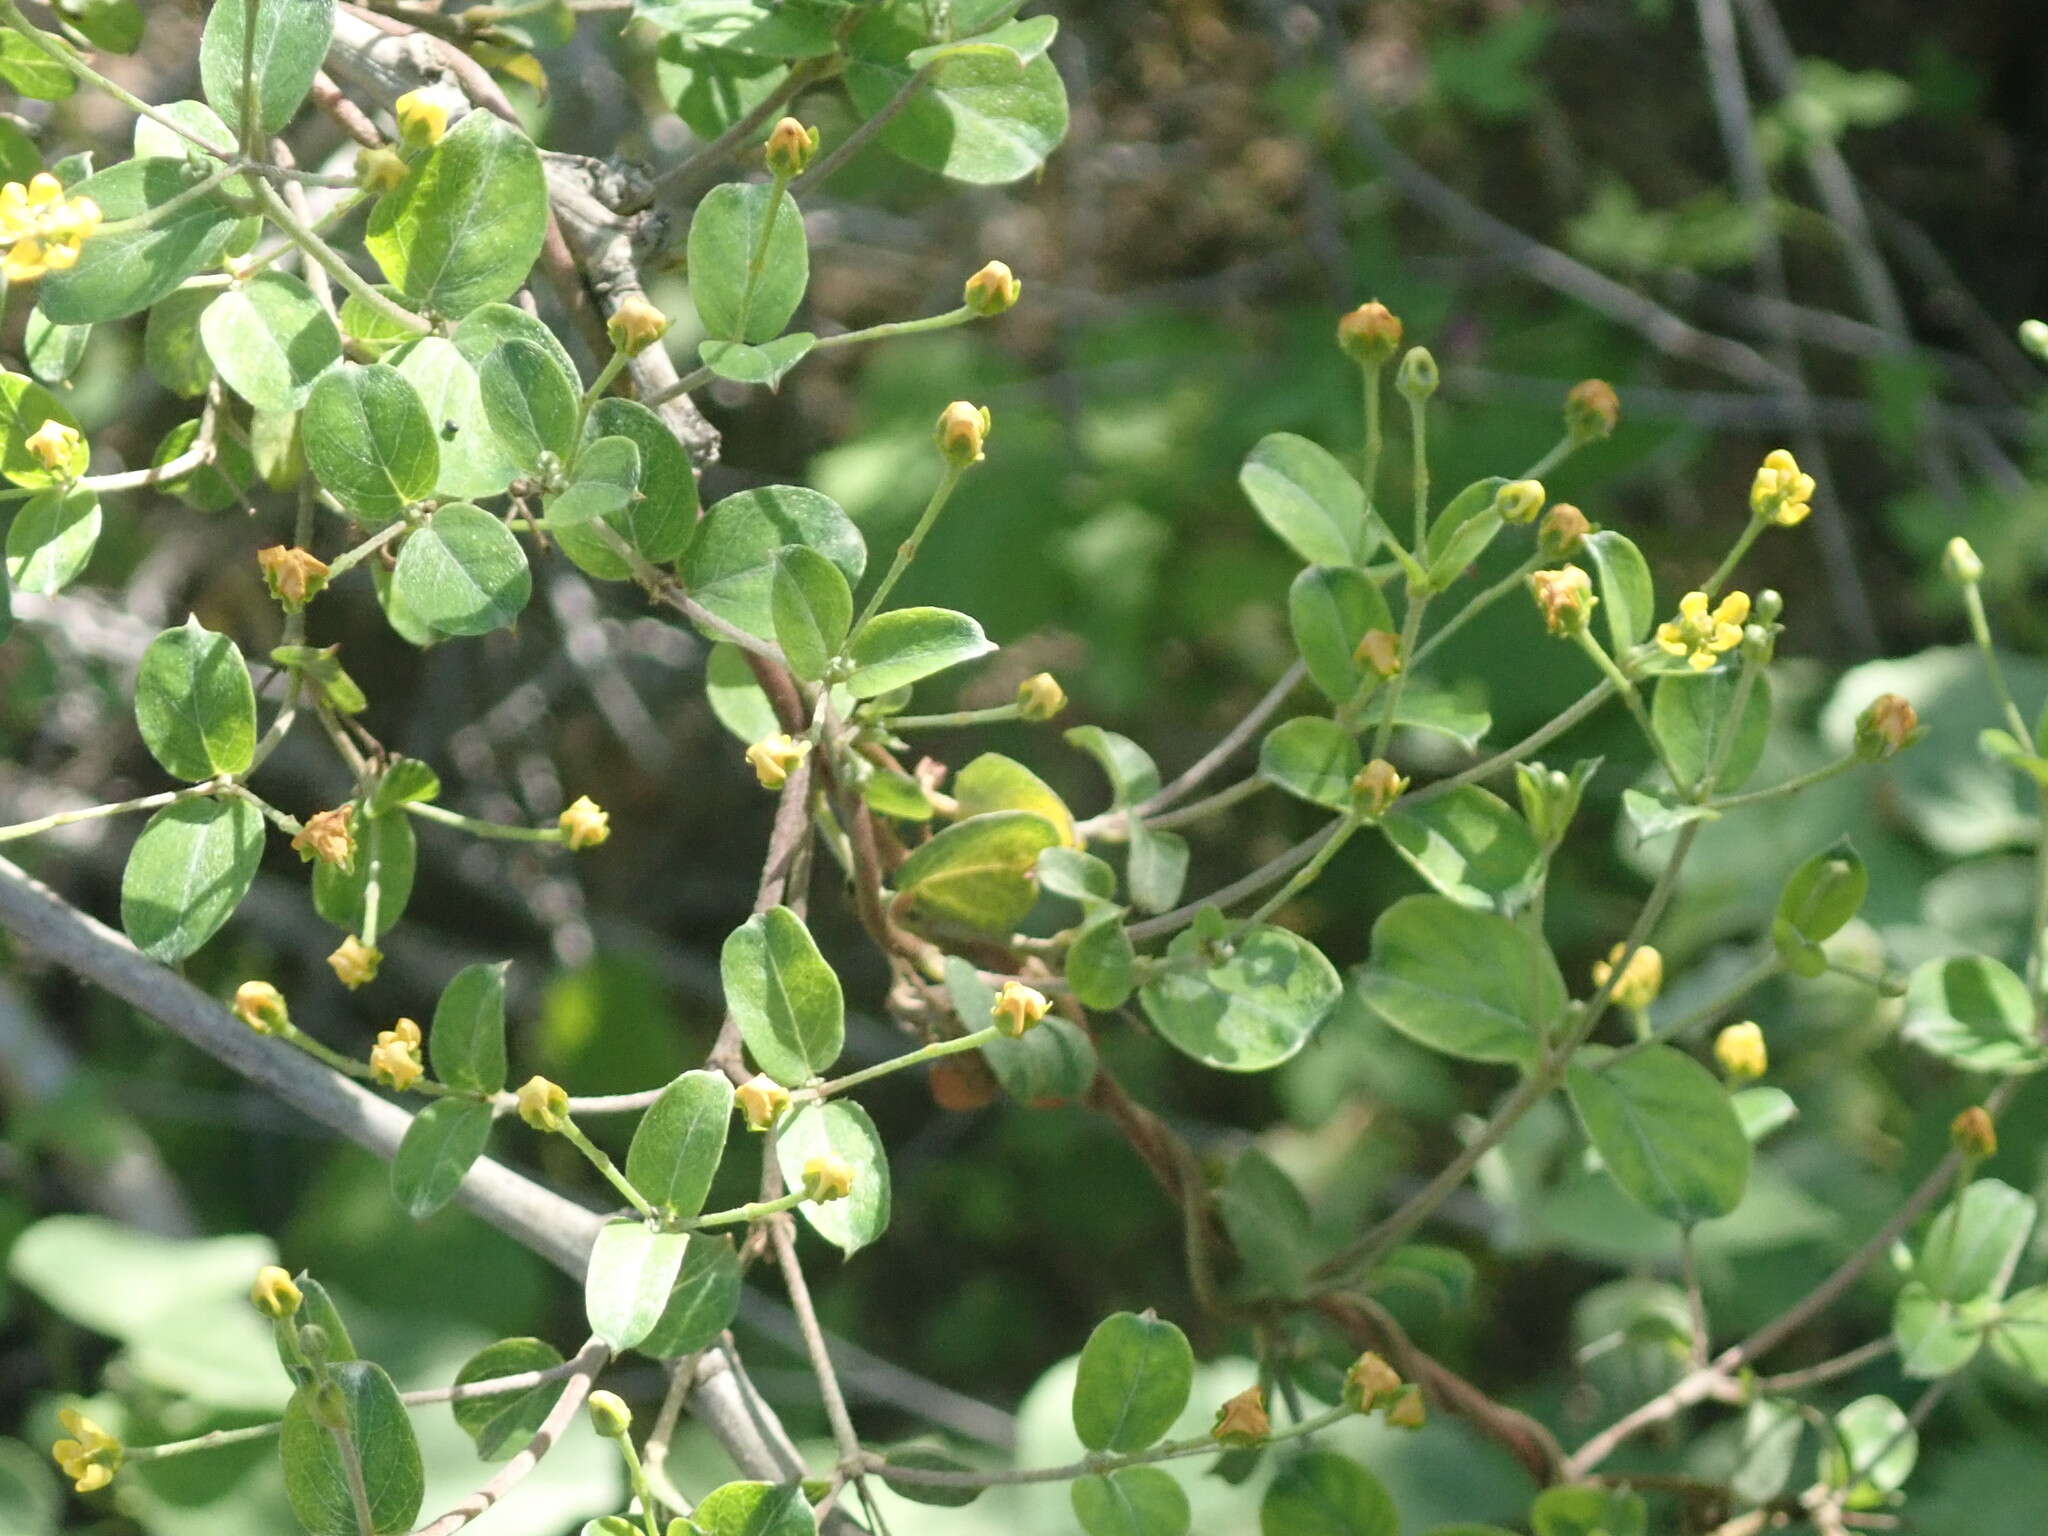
{"type": "Point", "coordinates": [1051, 1064]}
{"type": "Point", "coordinates": [1313, 758]}
{"type": "Point", "coordinates": [24, 406]}
{"type": "Point", "coordinates": [1975, 1243]}
{"type": "Point", "coordinates": [1246, 1010]}
{"type": "Point", "coordinates": [813, 609]}
{"type": "Point", "coordinates": [171, 346]}
{"type": "Point", "coordinates": [1443, 714]}
{"type": "Point", "coordinates": [385, 846]}
{"type": "Point", "coordinates": [467, 1043]}
{"type": "Point", "coordinates": [501, 1425]}
{"type": "Point", "coordinates": [1071, 873]}
{"type": "Point", "coordinates": [464, 228]}
{"type": "Point", "coordinates": [1469, 984]}
{"type": "Point", "coordinates": [1157, 868]}
{"type": "Point", "coordinates": [436, 1152]}
{"type": "Point", "coordinates": [1313, 502]}
{"type": "Point", "coordinates": [658, 522]}
{"type": "Point", "coordinates": [730, 566]}
{"type": "Point", "coordinates": [531, 404]}
{"type": "Point", "coordinates": [929, 1458]}
{"type": "Point", "coordinates": [1824, 893]}
{"type": "Point", "coordinates": [1323, 1494]}
{"type": "Point", "coordinates": [775, 29]}
{"type": "Point", "coordinates": [369, 440]}
{"type": "Point", "coordinates": [765, 364]}
{"type": "Point", "coordinates": [1763, 1110]}
{"type": "Point", "coordinates": [981, 871]}
{"type": "Point", "coordinates": [710, 89]}
{"type": "Point", "coordinates": [1651, 816]}
{"type": "Point", "coordinates": [784, 997]}
{"type": "Point", "coordinates": [1131, 1501]}
{"type": "Point", "coordinates": [290, 45]}
{"type": "Point", "coordinates": [2019, 1334]}
{"type": "Point", "coordinates": [1937, 1337]}
{"type": "Point", "coordinates": [1693, 714]}
{"type": "Point", "coordinates": [269, 339]}
{"type": "Point", "coordinates": [748, 261]}
{"type": "Point", "coordinates": [122, 272]}
{"type": "Point", "coordinates": [1102, 964]}
{"type": "Point", "coordinates": [604, 482]}
{"type": "Point", "coordinates": [1269, 1225]}
{"type": "Point", "coordinates": [1462, 530]}
{"type": "Point", "coordinates": [1973, 1011]}
{"type": "Point", "coordinates": [473, 463]}
{"type": "Point", "coordinates": [704, 1302]}
{"type": "Point", "coordinates": [315, 1481]}
{"type": "Point", "coordinates": [843, 1129]}
{"type": "Point", "coordinates": [1871, 1452]}
{"type": "Point", "coordinates": [1665, 1129]}
{"type": "Point", "coordinates": [1133, 776]}
{"type": "Point", "coordinates": [404, 781]}
{"type": "Point", "coordinates": [901, 647]}
{"type": "Point", "coordinates": [1472, 846]}
{"type": "Point", "coordinates": [1133, 1381]}
{"type": "Point", "coordinates": [115, 25]}
{"type": "Point", "coordinates": [1331, 608]}
{"type": "Point", "coordinates": [1584, 1511]}
{"type": "Point", "coordinates": [51, 539]}
{"type": "Point", "coordinates": [679, 1142]}
{"type": "Point", "coordinates": [463, 573]}
{"type": "Point", "coordinates": [53, 351]}
{"type": "Point", "coordinates": [1628, 599]}
{"type": "Point", "coordinates": [978, 119]}
{"type": "Point", "coordinates": [188, 871]}
{"type": "Point", "coordinates": [194, 703]}
{"type": "Point", "coordinates": [1017, 42]}
{"type": "Point", "coordinates": [317, 1309]}
{"type": "Point", "coordinates": [755, 1509]}
{"type": "Point", "coordinates": [31, 71]}
{"type": "Point", "coordinates": [489, 326]}
{"type": "Point", "coordinates": [993, 782]}
{"type": "Point", "coordinates": [632, 1269]}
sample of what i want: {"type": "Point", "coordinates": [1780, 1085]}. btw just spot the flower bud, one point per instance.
{"type": "Point", "coordinates": [355, 963]}
{"type": "Point", "coordinates": [1519, 501]}
{"type": "Point", "coordinates": [315, 1343]}
{"type": "Point", "coordinates": [273, 1293]}
{"type": "Point", "coordinates": [1241, 1421]}
{"type": "Point", "coordinates": [1380, 651]}
{"type": "Point", "coordinates": [827, 1177]}
{"type": "Point", "coordinates": [1550, 800]}
{"type": "Point", "coordinates": [1973, 1133]}
{"type": "Point", "coordinates": [790, 147]}
{"type": "Point", "coordinates": [961, 431]}
{"type": "Point", "coordinates": [261, 1006]}
{"type": "Point", "coordinates": [1417, 379]}
{"type": "Point", "coordinates": [609, 1415]}
{"type": "Point", "coordinates": [1887, 726]}
{"type": "Point", "coordinates": [992, 290]}
{"type": "Point", "coordinates": [584, 824]}
{"type": "Point", "coordinates": [1592, 410]}
{"type": "Point", "coordinates": [1769, 604]}
{"type": "Point", "coordinates": [1040, 698]}
{"type": "Point", "coordinates": [2034, 337]}
{"type": "Point", "coordinates": [1565, 597]}
{"type": "Point", "coordinates": [53, 445]}
{"type": "Point", "coordinates": [543, 1105]}
{"type": "Point", "coordinates": [636, 325]}
{"type": "Point", "coordinates": [1369, 334]}
{"type": "Point", "coordinates": [422, 118]}
{"type": "Point", "coordinates": [1018, 1009]}
{"type": "Point", "coordinates": [89, 1456]}
{"type": "Point", "coordinates": [294, 576]}
{"type": "Point", "coordinates": [327, 1405]}
{"type": "Point", "coordinates": [327, 838]}
{"type": "Point", "coordinates": [774, 758]}
{"type": "Point", "coordinates": [1369, 1381]}
{"type": "Point", "coordinates": [379, 169]}
{"type": "Point", "coordinates": [1959, 562]}
{"type": "Point", "coordinates": [1741, 1051]}
{"type": "Point", "coordinates": [762, 1101]}
{"type": "Point", "coordinates": [1640, 980]}
{"type": "Point", "coordinates": [1562, 531]}
{"type": "Point", "coordinates": [1375, 787]}
{"type": "Point", "coordinates": [1781, 493]}
{"type": "Point", "coordinates": [1407, 1410]}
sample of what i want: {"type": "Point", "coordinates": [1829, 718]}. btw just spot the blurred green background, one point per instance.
{"type": "Point", "coordinates": [1225, 192]}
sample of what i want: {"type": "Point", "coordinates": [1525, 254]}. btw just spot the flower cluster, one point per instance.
{"type": "Point", "coordinates": [395, 1058]}
{"type": "Point", "coordinates": [91, 1456]}
{"type": "Point", "coordinates": [1781, 493]}
{"type": "Point", "coordinates": [41, 230]}
{"type": "Point", "coordinates": [1640, 980]}
{"type": "Point", "coordinates": [1701, 636]}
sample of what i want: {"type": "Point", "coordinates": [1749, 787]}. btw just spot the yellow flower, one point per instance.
{"type": "Point", "coordinates": [422, 118]}
{"type": "Point", "coordinates": [1407, 1410]}
{"type": "Point", "coordinates": [584, 824]}
{"type": "Point", "coordinates": [1780, 493]}
{"type": "Point", "coordinates": [274, 1294]}
{"type": "Point", "coordinates": [774, 758]}
{"type": "Point", "coordinates": [1592, 410]}
{"type": "Point", "coordinates": [762, 1101]}
{"type": "Point", "coordinates": [1376, 786]}
{"type": "Point", "coordinates": [1040, 697]}
{"type": "Point", "coordinates": [992, 290]}
{"type": "Point", "coordinates": [1565, 597]}
{"type": "Point", "coordinates": [1701, 637]}
{"type": "Point", "coordinates": [790, 147]}
{"type": "Point", "coordinates": [543, 1105]}
{"type": "Point", "coordinates": [1640, 981]}
{"type": "Point", "coordinates": [261, 1006]}
{"type": "Point", "coordinates": [1379, 649]}
{"type": "Point", "coordinates": [54, 445]}
{"type": "Point", "coordinates": [609, 1415]}
{"type": "Point", "coordinates": [961, 431]}
{"type": "Point", "coordinates": [41, 230]}
{"type": "Point", "coordinates": [1018, 1008]}
{"type": "Point", "coordinates": [827, 1177]}
{"type": "Point", "coordinates": [1369, 334]}
{"type": "Point", "coordinates": [1519, 501]}
{"type": "Point", "coordinates": [1563, 530]}
{"type": "Point", "coordinates": [1242, 1420]}
{"type": "Point", "coordinates": [355, 963]}
{"type": "Point", "coordinates": [1973, 1133]}
{"type": "Point", "coordinates": [636, 325]}
{"type": "Point", "coordinates": [1741, 1051]}
{"type": "Point", "coordinates": [90, 1457]}
{"type": "Point", "coordinates": [395, 1058]}
{"type": "Point", "coordinates": [327, 838]}
{"type": "Point", "coordinates": [1369, 1380]}
{"type": "Point", "coordinates": [295, 576]}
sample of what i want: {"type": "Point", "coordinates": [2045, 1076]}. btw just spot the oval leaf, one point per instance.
{"type": "Point", "coordinates": [188, 871]}
{"type": "Point", "coordinates": [1249, 1009]}
{"type": "Point", "coordinates": [1133, 1381]}
{"type": "Point", "coordinates": [315, 1481]}
{"type": "Point", "coordinates": [1313, 502]}
{"type": "Point", "coordinates": [1973, 1011]}
{"type": "Point", "coordinates": [269, 339]}
{"type": "Point", "coordinates": [436, 1152]}
{"type": "Point", "coordinates": [194, 703]}
{"type": "Point", "coordinates": [502, 1423]}
{"type": "Point", "coordinates": [1323, 1494]}
{"type": "Point", "coordinates": [1313, 759]}
{"type": "Point", "coordinates": [784, 997]}
{"type": "Point", "coordinates": [896, 649]}
{"type": "Point", "coordinates": [1663, 1125]}
{"type": "Point", "coordinates": [463, 573]}
{"type": "Point", "coordinates": [981, 871]}
{"type": "Point", "coordinates": [704, 1302]}
{"type": "Point", "coordinates": [369, 440]}
{"type": "Point", "coordinates": [680, 1140]}
{"type": "Point", "coordinates": [843, 1129]}
{"type": "Point", "coordinates": [1470, 984]}
{"type": "Point", "coordinates": [632, 1269]}
{"type": "Point", "coordinates": [1131, 1501]}
{"type": "Point", "coordinates": [467, 1042]}
{"type": "Point", "coordinates": [748, 261]}
{"type": "Point", "coordinates": [1472, 846]}
{"type": "Point", "coordinates": [465, 227]}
